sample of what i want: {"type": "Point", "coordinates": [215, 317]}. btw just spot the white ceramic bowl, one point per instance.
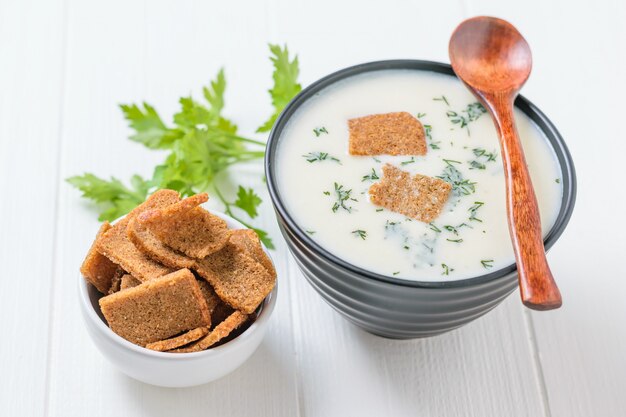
{"type": "Point", "coordinates": [172, 369]}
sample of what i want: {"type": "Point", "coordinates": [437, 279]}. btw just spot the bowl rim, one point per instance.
{"type": "Point", "coordinates": [556, 141]}
{"type": "Point", "coordinates": [267, 308]}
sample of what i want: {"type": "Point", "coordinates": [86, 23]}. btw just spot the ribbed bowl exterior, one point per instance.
{"type": "Point", "coordinates": [391, 307]}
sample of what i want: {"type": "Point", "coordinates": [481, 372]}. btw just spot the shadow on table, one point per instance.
{"type": "Point", "coordinates": [477, 369]}
{"type": "Point", "coordinates": [261, 386]}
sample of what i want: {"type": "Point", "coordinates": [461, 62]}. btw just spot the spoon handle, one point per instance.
{"type": "Point", "coordinates": [537, 287]}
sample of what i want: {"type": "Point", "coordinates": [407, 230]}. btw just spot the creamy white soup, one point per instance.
{"type": "Point", "coordinates": [325, 189]}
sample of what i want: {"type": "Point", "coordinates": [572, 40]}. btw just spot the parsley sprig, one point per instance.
{"type": "Point", "coordinates": [201, 144]}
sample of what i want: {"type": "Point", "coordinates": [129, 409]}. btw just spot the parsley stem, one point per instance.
{"type": "Point", "coordinates": [242, 139]}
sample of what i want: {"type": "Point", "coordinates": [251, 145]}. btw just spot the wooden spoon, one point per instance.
{"type": "Point", "coordinates": [493, 59]}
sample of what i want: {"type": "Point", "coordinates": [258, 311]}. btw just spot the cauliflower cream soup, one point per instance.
{"type": "Point", "coordinates": [325, 189]}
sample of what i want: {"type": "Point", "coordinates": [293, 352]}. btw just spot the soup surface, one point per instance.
{"type": "Point", "coordinates": [315, 174]}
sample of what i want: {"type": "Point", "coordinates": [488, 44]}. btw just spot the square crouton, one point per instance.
{"type": "Point", "coordinates": [178, 341]}
{"type": "Point", "coordinates": [128, 281]}
{"type": "Point", "coordinates": [188, 228]}
{"type": "Point", "coordinates": [149, 244]}
{"type": "Point", "coordinates": [237, 278]}
{"type": "Point", "coordinates": [387, 134]}
{"type": "Point", "coordinates": [97, 268]}
{"type": "Point", "coordinates": [116, 246]}
{"type": "Point", "coordinates": [249, 242]}
{"type": "Point", "coordinates": [221, 331]}
{"type": "Point", "coordinates": [419, 197]}
{"type": "Point", "coordinates": [219, 310]}
{"type": "Point", "coordinates": [157, 309]}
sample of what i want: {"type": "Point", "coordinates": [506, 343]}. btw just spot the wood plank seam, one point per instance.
{"type": "Point", "coordinates": [541, 380]}
{"type": "Point", "coordinates": [290, 265]}
{"type": "Point", "coordinates": [58, 157]}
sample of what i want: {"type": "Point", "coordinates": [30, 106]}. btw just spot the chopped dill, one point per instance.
{"type": "Point", "coordinates": [343, 196]}
{"type": "Point", "coordinates": [360, 233]}
{"type": "Point", "coordinates": [319, 157]}
{"type": "Point", "coordinates": [487, 263]}
{"type": "Point", "coordinates": [434, 228]}
{"type": "Point", "coordinates": [474, 209]}
{"type": "Point", "coordinates": [442, 98]}
{"type": "Point", "coordinates": [446, 269]}
{"type": "Point", "coordinates": [319, 130]}
{"type": "Point", "coordinates": [370, 177]}
{"type": "Point", "coordinates": [460, 185]}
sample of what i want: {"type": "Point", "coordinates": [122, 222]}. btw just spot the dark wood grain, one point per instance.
{"type": "Point", "coordinates": [494, 61]}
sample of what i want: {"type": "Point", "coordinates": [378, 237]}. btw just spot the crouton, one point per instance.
{"type": "Point", "coordinates": [128, 281]}
{"type": "Point", "coordinates": [97, 269]}
{"type": "Point", "coordinates": [188, 228]}
{"type": "Point", "coordinates": [236, 277]}
{"type": "Point", "coordinates": [178, 341]}
{"type": "Point", "coordinates": [221, 331]}
{"type": "Point", "coordinates": [149, 244]}
{"type": "Point", "coordinates": [419, 197]}
{"type": "Point", "coordinates": [249, 242]}
{"type": "Point", "coordinates": [157, 309]}
{"type": "Point", "coordinates": [116, 246]}
{"type": "Point", "coordinates": [387, 134]}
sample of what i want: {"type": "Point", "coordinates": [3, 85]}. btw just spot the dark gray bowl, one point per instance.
{"type": "Point", "coordinates": [393, 307]}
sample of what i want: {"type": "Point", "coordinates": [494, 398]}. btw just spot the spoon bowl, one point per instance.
{"type": "Point", "coordinates": [490, 54]}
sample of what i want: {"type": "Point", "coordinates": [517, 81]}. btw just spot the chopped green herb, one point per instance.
{"type": "Point", "coordinates": [474, 209]}
{"type": "Point", "coordinates": [326, 192]}
{"type": "Point", "coordinates": [376, 159]}
{"type": "Point", "coordinates": [379, 210]}
{"type": "Point", "coordinates": [410, 161]}
{"type": "Point", "coordinates": [558, 180]}
{"type": "Point", "coordinates": [428, 247]}
{"type": "Point", "coordinates": [477, 165]}
{"type": "Point", "coordinates": [428, 129]}
{"type": "Point", "coordinates": [311, 232]}
{"type": "Point", "coordinates": [479, 152]}
{"type": "Point", "coordinates": [434, 228]}
{"type": "Point", "coordinates": [406, 247]}
{"type": "Point", "coordinates": [460, 185]}
{"type": "Point", "coordinates": [370, 177]}
{"type": "Point", "coordinates": [446, 269]}
{"type": "Point", "coordinates": [342, 197]}
{"type": "Point", "coordinates": [434, 145]}
{"type": "Point", "coordinates": [442, 98]}
{"type": "Point", "coordinates": [471, 113]}
{"type": "Point", "coordinates": [389, 224]}
{"type": "Point", "coordinates": [319, 130]}
{"type": "Point", "coordinates": [420, 115]}
{"type": "Point", "coordinates": [482, 157]}
{"type": "Point", "coordinates": [451, 161]}
{"type": "Point", "coordinates": [455, 240]}
{"type": "Point", "coordinates": [455, 229]}
{"type": "Point", "coordinates": [360, 233]}
{"type": "Point", "coordinates": [396, 273]}
{"type": "Point", "coordinates": [487, 263]}
{"type": "Point", "coordinates": [319, 157]}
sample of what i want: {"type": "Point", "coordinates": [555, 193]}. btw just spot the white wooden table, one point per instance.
{"type": "Point", "coordinates": [64, 66]}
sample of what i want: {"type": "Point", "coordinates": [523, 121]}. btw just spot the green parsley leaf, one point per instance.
{"type": "Point", "coordinates": [286, 84]}
{"type": "Point", "coordinates": [149, 128]}
{"type": "Point", "coordinates": [113, 197]}
{"type": "Point", "coordinates": [248, 201]}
